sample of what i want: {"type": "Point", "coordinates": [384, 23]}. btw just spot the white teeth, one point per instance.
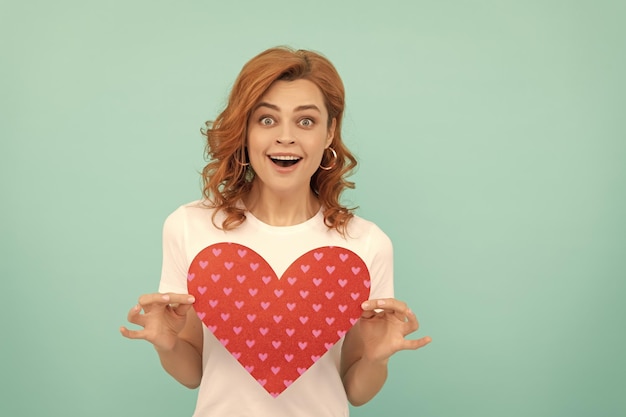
{"type": "Point", "coordinates": [285, 157]}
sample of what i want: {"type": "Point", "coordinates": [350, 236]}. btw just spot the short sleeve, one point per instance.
{"type": "Point", "coordinates": [381, 269]}
{"type": "Point", "coordinates": [175, 265]}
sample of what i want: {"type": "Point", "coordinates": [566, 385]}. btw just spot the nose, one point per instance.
{"type": "Point", "coordinates": [285, 136]}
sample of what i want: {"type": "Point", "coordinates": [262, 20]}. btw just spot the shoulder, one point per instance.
{"type": "Point", "coordinates": [361, 228]}
{"type": "Point", "coordinates": [193, 206]}
{"type": "Point", "coordinates": [372, 242]}
{"type": "Point", "coordinates": [190, 211]}
{"type": "Point", "coordinates": [195, 215]}
{"type": "Point", "coordinates": [375, 248]}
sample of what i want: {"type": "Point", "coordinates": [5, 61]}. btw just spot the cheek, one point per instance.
{"type": "Point", "coordinates": [253, 138]}
{"type": "Point", "coordinates": [256, 143]}
{"type": "Point", "coordinates": [315, 156]}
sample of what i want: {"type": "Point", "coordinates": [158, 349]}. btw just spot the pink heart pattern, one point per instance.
{"type": "Point", "coordinates": [277, 328]}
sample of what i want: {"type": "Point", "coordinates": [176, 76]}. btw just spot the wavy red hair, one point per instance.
{"type": "Point", "coordinates": [226, 180]}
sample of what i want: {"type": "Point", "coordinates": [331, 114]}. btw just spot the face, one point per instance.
{"type": "Point", "coordinates": [288, 131]}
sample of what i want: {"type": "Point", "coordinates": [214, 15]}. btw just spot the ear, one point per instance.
{"type": "Point", "coordinates": [331, 133]}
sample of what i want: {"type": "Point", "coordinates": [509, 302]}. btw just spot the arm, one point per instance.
{"type": "Point", "coordinates": [362, 378]}
{"type": "Point", "coordinates": [371, 342]}
{"type": "Point", "coordinates": [172, 326]}
{"type": "Point", "coordinates": [184, 360]}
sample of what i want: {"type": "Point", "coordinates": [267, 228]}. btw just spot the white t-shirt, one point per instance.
{"type": "Point", "coordinates": [227, 389]}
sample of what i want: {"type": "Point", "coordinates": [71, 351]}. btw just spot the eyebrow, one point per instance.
{"type": "Point", "coordinates": [299, 108]}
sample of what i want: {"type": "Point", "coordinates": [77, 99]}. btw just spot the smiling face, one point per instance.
{"type": "Point", "coordinates": [288, 131]}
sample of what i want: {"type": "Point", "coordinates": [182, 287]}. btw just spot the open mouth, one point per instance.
{"type": "Point", "coordinates": [285, 161]}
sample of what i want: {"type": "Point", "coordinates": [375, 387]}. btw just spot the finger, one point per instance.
{"type": "Point", "coordinates": [417, 343]}
{"type": "Point", "coordinates": [368, 314]}
{"type": "Point", "coordinates": [383, 313]}
{"type": "Point", "coordinates": [388, 304]}
{"type": "Point", "coordinates": [180, 298]}
{"type": "Point", "coordinates": [135, 316]}
{"type": "Point", "coordinates": [181, 309]}
{"type": "Point", "coordinates": [164, 299]}
{"type": "Point", "coordinates": [412, 324]}
{"type": "Point", "coordinates": [132, 334]}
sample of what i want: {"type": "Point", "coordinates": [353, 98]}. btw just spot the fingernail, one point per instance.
{"type": "Point", "coordinates": [381, 302]}
{"type": "Point", "coordinates": [365, 305]}
{"type": "Point", "coordinates": [137, 307]}
{"type": "Point", "coordinates": [166, 297]}
{"type": "Point", "coordinates": [191, 299]}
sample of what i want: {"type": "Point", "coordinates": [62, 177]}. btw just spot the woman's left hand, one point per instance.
{"type": "Point", "coordinates": [384, 325]}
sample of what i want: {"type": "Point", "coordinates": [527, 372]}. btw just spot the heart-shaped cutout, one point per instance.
{"type": "Point", "coordinates": [277, 328]}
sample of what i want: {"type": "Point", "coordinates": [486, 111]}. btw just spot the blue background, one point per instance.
{"type": "Point", "coordinates": [492, 149]}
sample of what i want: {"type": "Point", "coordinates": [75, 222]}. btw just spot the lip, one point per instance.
{"type": "Point", "coordinates": [286, 157]}
{"type": "Point", "coordinates": [283, 154]}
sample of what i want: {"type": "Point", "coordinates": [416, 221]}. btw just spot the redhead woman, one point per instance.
{"type": "Point", "coordinates": [275, 299]}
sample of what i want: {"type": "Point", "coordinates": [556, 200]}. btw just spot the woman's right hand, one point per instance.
{"type": "Point", "coordinates": [162, 317]}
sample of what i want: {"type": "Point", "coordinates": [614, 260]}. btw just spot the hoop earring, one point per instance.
{"type": "Point", "coordinates": [243, 164]}
{"type": "Point", "coordinates": [334, 160]}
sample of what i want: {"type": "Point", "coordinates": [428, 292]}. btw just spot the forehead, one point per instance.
{"type": "Point", "coordinates": [288, 95]}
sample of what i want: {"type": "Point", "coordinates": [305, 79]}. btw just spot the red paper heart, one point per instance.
{"type": "Point", "coordinates": [277, 328]}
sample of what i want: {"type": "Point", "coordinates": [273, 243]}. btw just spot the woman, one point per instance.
{"type": "Point", "coordinates": [271, 191]}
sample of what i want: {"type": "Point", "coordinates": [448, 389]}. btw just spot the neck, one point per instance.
{"type": "Point", "coordinates": [282, 209]}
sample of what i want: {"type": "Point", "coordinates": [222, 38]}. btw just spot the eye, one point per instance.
{"type": "Point", "coordinates": [266, 121]}
{"type": "Point", "coordinates": [306, 122]}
